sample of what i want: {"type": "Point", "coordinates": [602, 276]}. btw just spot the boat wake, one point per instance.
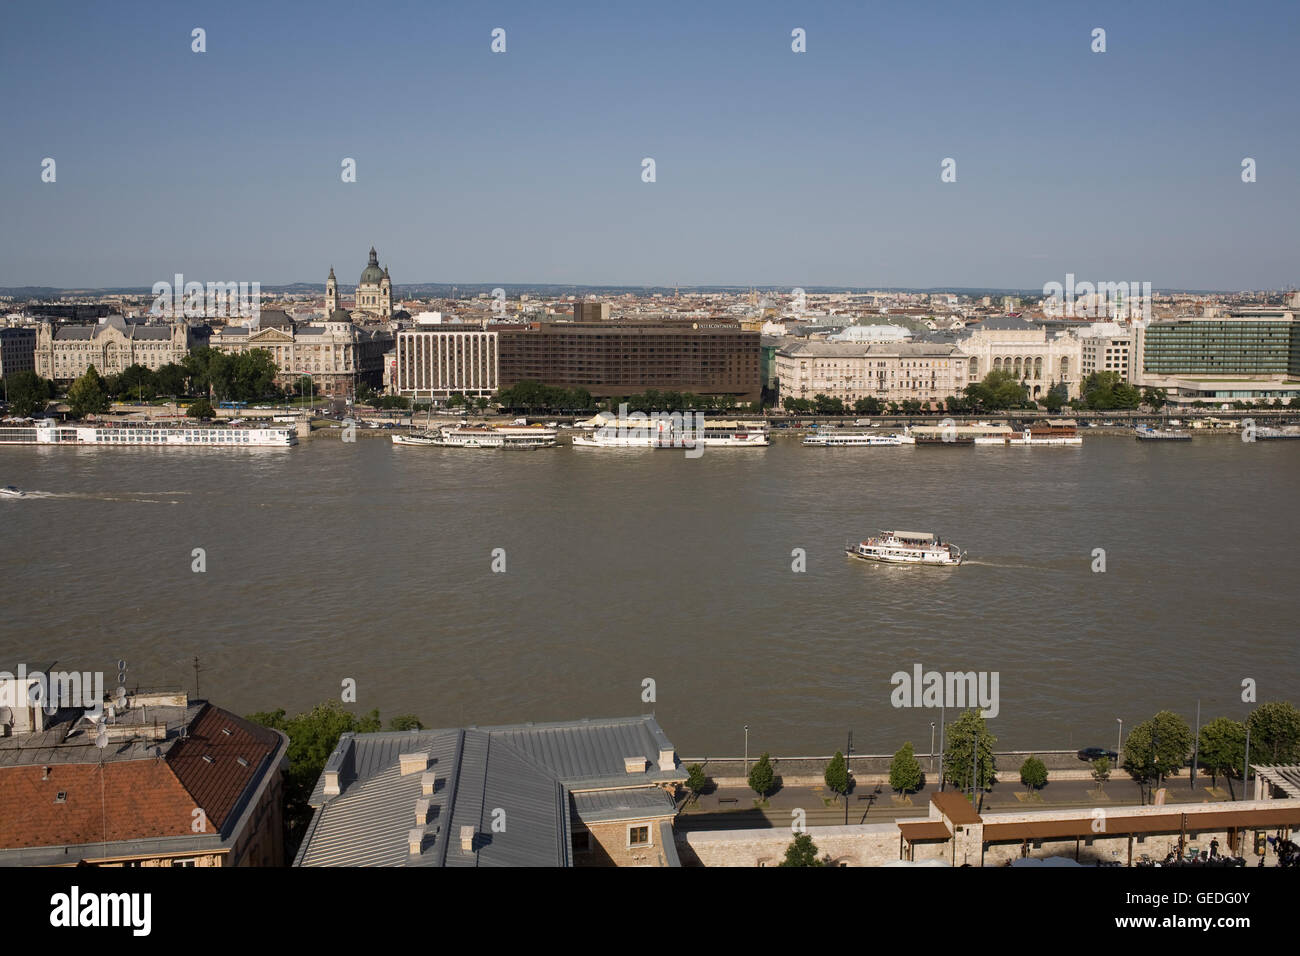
{"type": "Point", "coordinates": [1001, 564]}
{"type": "Point", "coordinates": [138, 497]}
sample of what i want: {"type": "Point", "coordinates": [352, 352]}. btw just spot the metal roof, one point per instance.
{"type": "Point", "coordinates": [601, 806]}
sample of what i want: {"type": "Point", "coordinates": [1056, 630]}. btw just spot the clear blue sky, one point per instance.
{"type": "Point", "coordinates": [773, 168]}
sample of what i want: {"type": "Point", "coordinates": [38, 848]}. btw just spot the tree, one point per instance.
{"type": "Point", "coordinates": [1275, 731]}
{"type": "Point", "coordinates": [802, 852]}
{"type": "Point", "coordinates": [967, 737]}
{"type": "Point", "coordinates": [1222, 747]}
{"type": "Point", "coordinates": [1033, 773]}
{"type": "Point", "coordinates": [28, 393]}
{"type": "Point", "coordinates": [904, 770]}
{"type": "Point", "coordinates": [312, 738]}
{"type": "Point", "coordinates": [1101, 771]}
{"type": "Point", "coordinates": [762, 777]}
{"type": "Point", "coordinates": [87, 395]}
{"type": "Point", "coordinates": [1157, 747]}
{"type": "Point", "coordinates": [1057, 395]}
{"type": "Point", "coordinates": [837, 775]}
{"type": "Point", "coordinates": [135, 383]}
{"type": "Point", "coordinates": [867, 406]}
{"type": "Point", "coordinates": [405, 722]}
{"type": "Point", "coordinates": [200, 408]}
{"type": "Point", "coordinates": [1103, 391]}
{"type": "Point", "coordinates": [1156, 398]}
{"type": "Point", "coordinates": [172, 379]}
{"type": "Point", "coordinates": [696, 780]}
{"type": "Point", "coordinates": [998, 389]}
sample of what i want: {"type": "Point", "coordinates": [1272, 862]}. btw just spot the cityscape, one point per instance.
{"type": "Point", "coordinates": [464, 512]}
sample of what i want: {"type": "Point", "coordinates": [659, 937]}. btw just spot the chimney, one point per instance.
{"type": "Point", "coordinates": [415, 839]}
{"type": "Point", "coordinates": [667, 759]}
{"type": "Point", "coordinates": [331, 783]}
{"type": "Point", "coordinates": [414, 763]}
{"type": "Point", "coordinates": [421, 811]}
{"type": "Point", "coordinates": [467, 839]}
{"type": "Point", "coordinates": [428, 782]}
{"type": "Point", "coordinates": [634, 764]}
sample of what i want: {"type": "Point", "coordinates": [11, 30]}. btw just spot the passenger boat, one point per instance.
{"type": "Point", "coordinates": [1277, 434]}
{"type": "Point", "coordinates": [832, 439]}
{"type": "Point", "coordinates": [668, 432]}
{"type": "Point", "coordinates": [1147, 433]}
{"type": "Point", "coordinates": [116, 434]}
{"type": "Point", "coordinates": [1050, 432]}
{"type": "Point", "coordinates": [906, 547]}
{"type": "Point", "coordinates": [484, 436]}
{"type": "Point", "coordinates": [10, 491]}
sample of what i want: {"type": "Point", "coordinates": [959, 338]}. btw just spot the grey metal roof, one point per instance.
{"type": "Point", "coordinates": [515, 785]}
{"type": "Point", "coordinates": [601, 806]}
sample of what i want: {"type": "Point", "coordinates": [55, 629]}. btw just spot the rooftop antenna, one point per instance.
{"type": "Point", "coordinates": [196, 677]}
{"type": "Point", "coordinates": [101, 741]}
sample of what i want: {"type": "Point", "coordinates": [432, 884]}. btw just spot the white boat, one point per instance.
{"type": "Point", "coordinates": [832, 439]}
{"type": "Point", "coordinates": [483, 436]}
{"type": "Point", "coordinates": [670, 433]}
{"type": "Point", "coordinates": [149, 434]}
{"type": "Point", "coordinates": [906, 547]}
{"type": "Point", "coordinates": [9, 491]}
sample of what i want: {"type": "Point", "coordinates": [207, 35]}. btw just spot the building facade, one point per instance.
{"type": "Point", "coordinates": [17, 350]}
{"type": "Point", "coordinates": [337, 355]}
{"type": "Point", "coordinates": [1035, 354]}
{"type": "Point", "coordinates": [63, 353]}
{"type": "Point", "coordinates": [613, 359]}
{"type": "Point", "coordinates": [440, 361]}
{"type": "Point", "coordinates": [896, 372]}
{"type": "Point", "coordinates": [1107, 347]}
{"type": "Point", "coordinates": [1245, 356]}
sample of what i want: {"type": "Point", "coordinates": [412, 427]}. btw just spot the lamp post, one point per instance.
{"type": "Point", "coordinates": [1245, 766]}
{"type": "Point", "coordinates": [747, 750]}
{"type": "Point", "coordinates": [1119, 741]}
{"type": "Point", "coordinates": [942, 745]}
{"type": "Point", "coordinates": [848, 762]}
{"type": "Point", "coordinates": [1196, 743]}
{"type": "Point", "coordinates": [932, 745]}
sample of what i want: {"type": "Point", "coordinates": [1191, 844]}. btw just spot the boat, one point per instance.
{"type": "Point", "coordinates": [906, 547]}
{"type": "Point", "coordinates": [1049, 432]}
{"type": "Point", "coordinates": [1277, 434]}
{"type": "Point", "coordinates": [10, 491]}
{"type": "Point", "coordinates": [113, 434]}
{"type": "Point", "coordinates": [670, 432]}
{"type": "Point", "coordinates": [1147, 433]}
{"type": "Point", "coordinates": [831, 439]}
{"type": "Point", "coordinates": [483, 436]}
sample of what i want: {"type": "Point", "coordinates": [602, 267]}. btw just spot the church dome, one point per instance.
{"type": "Point", "coordinates": [372, 274]}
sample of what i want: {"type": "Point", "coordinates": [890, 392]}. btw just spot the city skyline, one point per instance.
{"type": "Point", "coordinates": [527, 164]}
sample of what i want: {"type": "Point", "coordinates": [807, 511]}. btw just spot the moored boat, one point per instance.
{"type": "Point", "coordinates": [1147, 433]}
{"type": "Point", "coordinates": [906, 547]}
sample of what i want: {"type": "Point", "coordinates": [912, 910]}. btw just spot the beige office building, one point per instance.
{"type": "Point", "coordinates": [440, 361]}
{"type": "Point", "coordinates": [894, 372]}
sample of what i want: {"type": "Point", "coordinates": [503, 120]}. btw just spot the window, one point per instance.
{"type": "Point", "coordinates": [582, 841]}
{"type": "Point", "coordinates": [638, 836]}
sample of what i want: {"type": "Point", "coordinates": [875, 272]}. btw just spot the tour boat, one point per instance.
{"type": "Point", "coordinates": [1147, 433]}
{"type": "Point", "coordinates": [830, 439]}
{"type": "Point", "coordinates": [116, 434]}
{"type": "Point", "coordinates": [668, 432]}
{"type": "Point", "coordinates": [9, 491]}
{"type": "Point", "coordinates": [906, 547]}
{"type": "Point", "coordinates": [483, 436]}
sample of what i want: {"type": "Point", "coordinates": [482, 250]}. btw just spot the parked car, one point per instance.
{"type": "Point", "coordinates": [1096, 753]}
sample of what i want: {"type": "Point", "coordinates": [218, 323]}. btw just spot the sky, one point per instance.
{"type": "Point", "coordinates": [772, 167]}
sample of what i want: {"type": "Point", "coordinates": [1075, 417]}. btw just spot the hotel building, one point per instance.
{"type": "Point", "coordinates": [895, 372]}
{"type": "Point", "coordinates": [1248, 355]}
{"type": "Point", "coordinates": [436, 362]}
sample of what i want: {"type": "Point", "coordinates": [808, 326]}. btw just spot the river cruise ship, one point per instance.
{"type": "Point", "coordinates": [906, 547]}
{"type": "Point", "coordinates": [825, 438]}
{"type": "Point", "coordinates": [667, 433]}
{"type": "Point", "coordinates": [146, 433]}
{"type": "Point", "coordinates": [1147, 433]}
{"type": "Point", "coordinates": [484, 436]}
{"type": "Point", "coordinates": [1053, 431]}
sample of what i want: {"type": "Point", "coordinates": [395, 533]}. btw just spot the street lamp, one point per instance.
{"type": "Point", "coordinates": [1119, 741]}
{"type": "Point", "coordinates": [747, 750]}
{"type": "Point", "coordinates": [932, 745]}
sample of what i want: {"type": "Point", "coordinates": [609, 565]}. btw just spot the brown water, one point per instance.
{"type": "Point", "coordinates": [373, 562]}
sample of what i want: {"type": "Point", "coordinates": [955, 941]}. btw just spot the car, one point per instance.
{"type": "Point", "coordinates": [1096, 753]}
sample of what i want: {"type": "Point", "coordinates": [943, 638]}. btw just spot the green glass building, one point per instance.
{"type": "Point", "coordinates": [1248, 346]}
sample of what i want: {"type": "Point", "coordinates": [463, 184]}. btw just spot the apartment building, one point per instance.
{"type": "Point", "coordinates": [890, 372]}
{"type": "Point", "coordinates": [17, 350]}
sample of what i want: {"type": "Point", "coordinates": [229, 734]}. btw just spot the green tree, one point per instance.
{"type": "Point", "coordinates": [867, 406]}
{"type": "Point", "coordinates": [136, 383]}
{"type": "Point", "coordinates": [88, 395]}
{"type": "Point", "coordinates": [696, 780]}
{"type": "Point", "coordinates": [1157, 747]}
{"type": "Point", "coordinates": [172, 379]}
{"type": "Point", "coordinates": [405, 722]}
{"type": "Point", "coordinates": [762, 777]}
{"type": "Point", "coordinates": [837, 775]}
{"type": "Point", "coordinates": [905, 770]}
{"type": "Point", "coordinates": [998, 389]}
{"type": "Point", "coordinates": [969, 739]}
{"type": "Point", "coordinates": [1222, 748]}
{"type": "Point", "coordinates": [1101, 771]}
{"type": "Point", "coordinates": [28, 393]}
{"type": "Point", "coordinates": [1275, 732]}
{"type": "Point", "coordinates": [312, 738]}
{"type": "Point", "coordinates": [200, 408]}
{"type": "Point", "coordinates": [802, 852]}
{"type": "Point", "coordinates": [1156, 398]}
{"type": "Point", "coordinates": [1033, 773]}
{"type": "Point", "coordinates": [1057, 395]}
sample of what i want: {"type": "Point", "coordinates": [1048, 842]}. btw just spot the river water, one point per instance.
{"type": "Point", "coordinates": [373, 562]}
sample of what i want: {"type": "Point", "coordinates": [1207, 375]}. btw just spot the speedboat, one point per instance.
{"type": "Point", "coordinates": [906, 547]}
{"type": "Point", "coordinates": [9, 491]}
